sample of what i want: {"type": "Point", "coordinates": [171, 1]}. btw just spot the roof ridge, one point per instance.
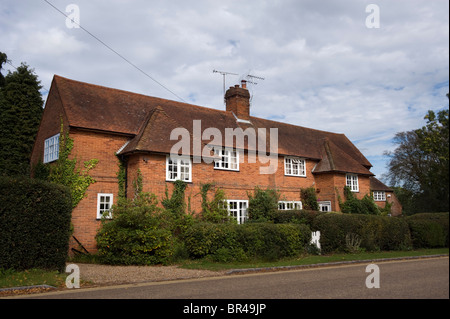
{"type": "Point", "coordinates": [294, 125]}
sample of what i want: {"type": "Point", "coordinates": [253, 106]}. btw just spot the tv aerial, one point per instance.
{"type": "Point", "coordinates": [252, 78]}
{"type": "Point", "coordinates": [224, 74]}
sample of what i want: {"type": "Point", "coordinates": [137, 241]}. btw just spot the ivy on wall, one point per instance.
{"type": "Point", "coordinates": [65, 171]}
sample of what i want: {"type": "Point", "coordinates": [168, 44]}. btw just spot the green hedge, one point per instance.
{"type": "Point", "coordinates": [297, 216]}
{"type": "Point", "coordinates": [35, 224]}
{"type": "Point", "coordinates": [429, 230]}
{"type": "Point", "coordinates": [342, 232]}
{"type": "Point", "coordinates": [228, 242]}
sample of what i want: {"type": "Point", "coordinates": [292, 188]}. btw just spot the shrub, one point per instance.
{"type": "Point", "coordinates": [135, 235]}
{"type": "Point", "coordinates": [263, 204]}
{"type": "Point", "coordinates": [352, 205]}
{"type": "Point", "coordinates": [35, 224]}
{"type": "Point", "coordinates": [274, 241]}
{"type": "Point", "coordinates": [309, 198]}
{"type": "Point", "coordinates": [429, 230]}
{"type": "Point", "coordinates": [214, 211]}
{"type": "Point", "coordinates": [375, 232]}
{"type": "Point", "coordinates": [229, 242]}
{"type": "Point", "coordinates": [297, 217]}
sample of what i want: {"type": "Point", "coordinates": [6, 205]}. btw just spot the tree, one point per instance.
{"type": "Point", "coordinates": [20, 114]}
{"type": "Point", "coordinates": [420, 164]}
{"type": "Point", "coordinates": [3, 59]}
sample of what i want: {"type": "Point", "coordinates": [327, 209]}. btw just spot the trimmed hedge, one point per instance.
{"type": "Point", "coordinates": [297, 216]}
{"type": "Point", "coordinates": [429, 230]}
{"type": "Point", "coordinates": [228, 242]}
{"type": "Point", "coordinates": [35, 224]}
{"type": "Point", "coordinates": [373, 232]}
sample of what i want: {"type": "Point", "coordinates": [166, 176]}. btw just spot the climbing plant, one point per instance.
{"type": "Point", "coordinates": [121, 177]}
{"type": "Point", "coordinates": [309, 198]}
{"type": "Point", "coordinates": [214, 210]}
{"type": "Point", "coordinates": [67, 172]}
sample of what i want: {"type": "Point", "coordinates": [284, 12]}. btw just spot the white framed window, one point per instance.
{"type": "Point", "coordinates": [51, 149]}
{"type": "Point", "coordinates": [294, 166]}
{"type": "Point", "coordinates": [352, 182]}
{"type": "Point", "coordinates": [238, 210]}
{"type": "Point", "coordinates": [324, 206]}
{"type": "Point", "coordinates": [178, 168]}
{"type": "Point", "coordinates": [104, 204]}
{"type": "Point", "coordinates": [289, 205]}
{"type": "Point", "coordinates": [227, 159]}
{"type": "Point", "coordinates": [379, 196]}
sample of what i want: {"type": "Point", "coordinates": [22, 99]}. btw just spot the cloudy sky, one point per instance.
{"type": "Point", "coordinates": [336, 65]}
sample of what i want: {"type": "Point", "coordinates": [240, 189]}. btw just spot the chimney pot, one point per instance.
{"type": "Point", "coordinates": [244, 84]}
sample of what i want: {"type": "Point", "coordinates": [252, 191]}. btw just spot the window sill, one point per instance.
{"type": "Point", "coordinates": [174, 180]}
{"type": "Point", "coordinates": [294, 175]}
{"type": "Point", "coordinates": [226, 169]}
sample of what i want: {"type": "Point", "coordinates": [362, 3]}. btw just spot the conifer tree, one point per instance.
{"type": "Point", "coordinates": [20, 114]}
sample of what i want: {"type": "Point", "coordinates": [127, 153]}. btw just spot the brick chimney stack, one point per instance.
{"type": "Point", "coordinates": [237, 100]}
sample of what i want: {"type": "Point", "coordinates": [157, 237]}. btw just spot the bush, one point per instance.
{"type": "Point", "coordinates": [232, 242]}
{"type": "Point", "coordinates": [35, 224]}
{"type": "Point", "coordinates": [375, 232]}
{"type": "Point", "coordinates": [429, 230]}
{"type": "Point", "coordinates": [297, 217]}
{"type": "Point", "coordinates": [274, 241]}
{"type": "Point", "coordinates": [135, 235]}
{"type": "Point", "coordinates": [309, 198]}
{"type": "Point", "coordinates": [214, 211]}
{"type": "Point", "coordinates": [263, 204]}
{"type": "Point", "coordinates": [352, 205]}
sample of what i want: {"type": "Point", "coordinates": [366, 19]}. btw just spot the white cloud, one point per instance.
{"type": "Point", "coordinates": [323, 67]}
{"type": "Point", "coordinates": [53, 42]}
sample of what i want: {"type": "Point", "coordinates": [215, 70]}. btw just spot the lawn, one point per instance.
{"type": "Point", "coordinates": [31, 277]}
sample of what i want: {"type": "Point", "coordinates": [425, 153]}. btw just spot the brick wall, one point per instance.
{"type": "Point", "coordinates": [396, 208]}
{"type": "Point", "coordinates": [50, 125]}
{"type": "Point", "coordinates": [236, 184]}
{"type": "Point", "coordinates": [87, 146]}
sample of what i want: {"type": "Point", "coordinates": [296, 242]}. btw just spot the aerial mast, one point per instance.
{"type": "Point", "coordinates": [224, 74]}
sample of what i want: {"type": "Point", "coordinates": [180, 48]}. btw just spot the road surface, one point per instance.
{"type": "Point", "coordinates": [414, 278]}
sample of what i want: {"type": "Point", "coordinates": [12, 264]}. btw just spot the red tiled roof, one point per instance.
{"type": "Point", "coordinates": [377, 185]}
{"type": "Point", "coordinates": [149, 121]}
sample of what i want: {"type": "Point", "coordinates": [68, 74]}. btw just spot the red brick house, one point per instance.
{"type": "Point", "coordinates": [108, 124]}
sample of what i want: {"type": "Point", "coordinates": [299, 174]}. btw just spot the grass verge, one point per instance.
{"type": "Point", "coordinates": [207, 264]}
{"type": "Point", "coordinates": [11, 278]}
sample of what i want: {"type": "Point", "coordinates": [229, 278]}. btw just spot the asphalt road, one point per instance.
{"type": "Point", "coordinates": [416, 278]}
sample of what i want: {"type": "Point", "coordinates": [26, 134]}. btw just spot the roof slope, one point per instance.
{"type": "Point", "coordinates": [377, 185]}
{"type": "Point", "coordinates": [150, 120]}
